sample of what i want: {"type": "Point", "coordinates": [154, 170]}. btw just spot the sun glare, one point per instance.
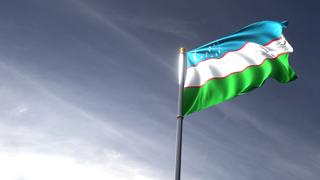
{"type": "Point", "coordinates": [34, 166]}
{"type": "Point", "coordinates": [180, 68]}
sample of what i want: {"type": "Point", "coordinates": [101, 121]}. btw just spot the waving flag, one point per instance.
{"type": "Point", "coordinates": [236, 64]}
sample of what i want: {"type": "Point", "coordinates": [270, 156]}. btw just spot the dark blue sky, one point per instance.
{"type": "Point", "coordinates": [88, 90]}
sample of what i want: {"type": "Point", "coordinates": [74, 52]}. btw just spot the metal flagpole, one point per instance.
{"type": "Point", "coordinates": [179, 114]}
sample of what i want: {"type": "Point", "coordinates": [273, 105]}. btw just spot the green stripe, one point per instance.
{"type": "Point", "coordinates": [216, 91]}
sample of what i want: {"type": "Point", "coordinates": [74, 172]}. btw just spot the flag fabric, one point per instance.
{"type": "Point", "coordinates": [236, 64]}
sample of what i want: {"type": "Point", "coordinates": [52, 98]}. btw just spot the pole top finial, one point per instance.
{"type": "Point", "coordinates": [182, 50]}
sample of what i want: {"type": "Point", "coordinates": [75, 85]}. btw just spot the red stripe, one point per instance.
{"type": "Point", "coordinates": [273, 41]}
{"type": "Point", "coordinates": [237, 71]}
{"type": "Point", "coordinates": [234, 51]}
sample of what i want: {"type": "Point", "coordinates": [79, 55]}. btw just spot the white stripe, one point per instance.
{"type": "Point", "coordinates": [250, 54]}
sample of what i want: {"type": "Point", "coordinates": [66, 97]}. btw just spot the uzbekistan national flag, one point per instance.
{"type": "Point", "coordinates": [236, 64]}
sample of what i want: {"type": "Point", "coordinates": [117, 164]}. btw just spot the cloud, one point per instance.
{"type": "Point", "coordinates": [43, 136]}
{"type": "Point", "coordinates": [39, 166]}
{"type": "Point", "coordinates": [176, 27]}
{"type": "Point", "coordinates": [135, 41]}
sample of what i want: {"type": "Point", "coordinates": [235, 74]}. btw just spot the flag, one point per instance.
{"type": "Point", "coordinates": [236, 64]}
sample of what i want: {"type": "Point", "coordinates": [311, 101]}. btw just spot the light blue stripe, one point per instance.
{"type": "Point", "coordinates": [260, 32]}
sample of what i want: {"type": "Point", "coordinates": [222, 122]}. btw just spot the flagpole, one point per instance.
{"type": "Point", "coordinates": [179, 114]}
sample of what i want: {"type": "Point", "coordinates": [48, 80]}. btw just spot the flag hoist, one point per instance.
{"type": "Point", "coordinates": [181, 77]}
